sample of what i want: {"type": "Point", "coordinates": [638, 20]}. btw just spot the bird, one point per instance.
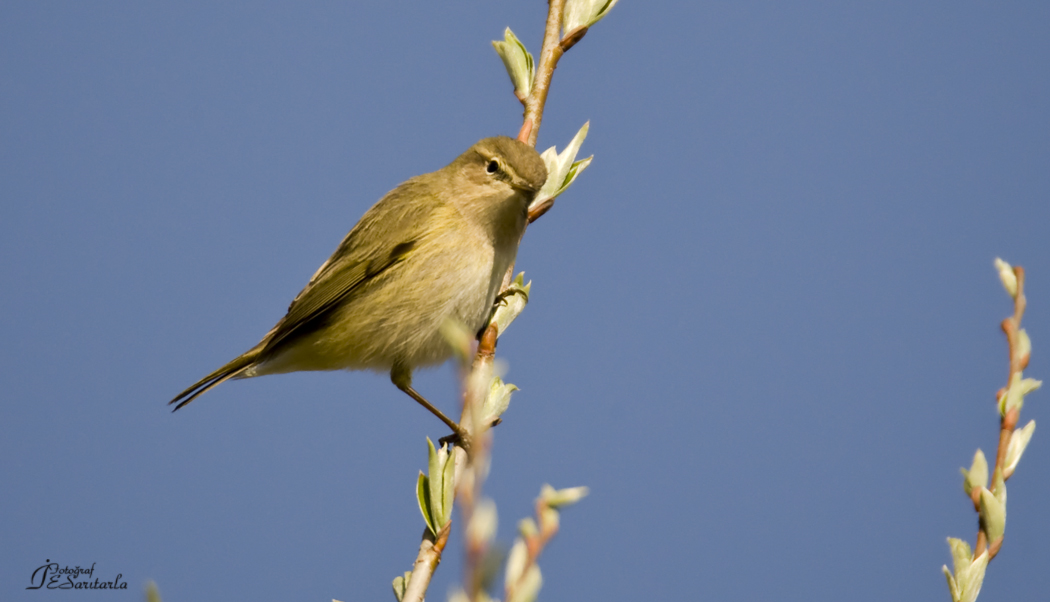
{"type": "Point", "coordinates": [433, 249]}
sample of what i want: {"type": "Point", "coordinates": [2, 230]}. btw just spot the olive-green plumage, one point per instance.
{"type": "Point", "coordinates": [436, 247]}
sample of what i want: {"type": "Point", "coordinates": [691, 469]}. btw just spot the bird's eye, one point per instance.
{"type": "Point", "coordinates": [492, 167]}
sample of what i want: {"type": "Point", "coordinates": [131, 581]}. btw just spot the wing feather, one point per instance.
{"type": "Point", "coordinates": [363, 255]}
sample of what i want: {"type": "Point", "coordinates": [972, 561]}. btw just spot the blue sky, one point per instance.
{"type": "Point", "coordinates": [763, 326]}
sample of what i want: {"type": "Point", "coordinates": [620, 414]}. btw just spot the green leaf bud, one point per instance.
{"type": "Point", "coordinates": [520, 66]}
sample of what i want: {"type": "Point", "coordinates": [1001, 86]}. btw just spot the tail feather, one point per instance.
{"type": "Point", "coordinates": [232, 369]}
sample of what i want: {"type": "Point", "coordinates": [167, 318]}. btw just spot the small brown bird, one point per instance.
{"type": "Point", "coordinates": [434, 248]}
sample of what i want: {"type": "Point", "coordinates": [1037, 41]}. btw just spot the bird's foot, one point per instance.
{"type": "Point", "coordinates": [462, 437]}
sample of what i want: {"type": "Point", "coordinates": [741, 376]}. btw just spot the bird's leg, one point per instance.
{"type": "Point", "coordinates": [402, 379]}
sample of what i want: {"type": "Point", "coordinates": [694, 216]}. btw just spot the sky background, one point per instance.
{"type": "Point", "coordinates": [764, 325]}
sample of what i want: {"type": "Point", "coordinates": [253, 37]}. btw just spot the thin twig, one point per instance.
{"type": "Point", "coordinates": [468, 494]}
{"type": "Point", "coordinates": [469, 491]}
{"type": "Point", "coordinates": [472, 465]}
{"type": "Point", "coordinates": [534, 545]}
{"type": "Point", "coordinates": [554, 46]}
{"type": "Point", "coordinates": [426, 563]}
{"type": "Point", "coordinates": [1011, 327]}
{"type": "Point", "coordinates": [469, 482]}
{"type": "Point", "coordinates": [551, 52]}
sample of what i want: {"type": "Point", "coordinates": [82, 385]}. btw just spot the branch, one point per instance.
{"type": "Point", "coordinates": [989, 499]}
{"type": "Point", "coordinates": [1008, 422]}
{"type": "Point", "coordinates": [523, 578]}
{"type": "Point", "coordinates": [426, 563]}
{"type": "Point", "coordinates": [468, 486]}
{"type": "Point", "coordinates": [550, 54]}
{"type": "Point", "coordinates": [474, 443]}
{"type": "Point", "coordinates": [534, 545]}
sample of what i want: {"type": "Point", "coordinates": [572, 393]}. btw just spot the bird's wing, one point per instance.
{"type": "Point", "coordinates": [360, 257]}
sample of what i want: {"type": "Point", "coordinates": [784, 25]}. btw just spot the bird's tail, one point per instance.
{"type": "Point", "coordinates": [232, 369]}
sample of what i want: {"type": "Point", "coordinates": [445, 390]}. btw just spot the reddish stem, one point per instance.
{"type": "Point", "coordinates": [1011, 327]}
